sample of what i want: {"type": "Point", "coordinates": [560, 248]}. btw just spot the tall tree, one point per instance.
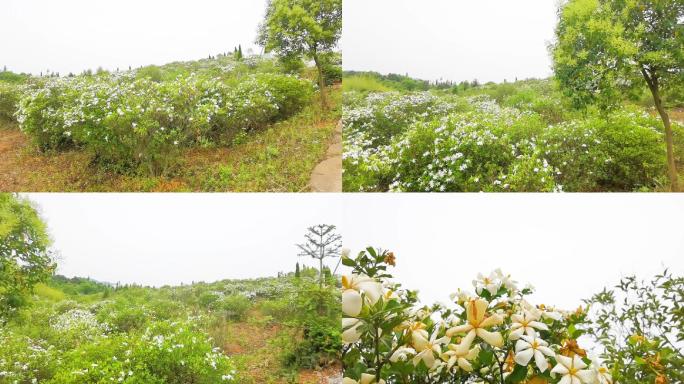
{"type": "Point", "coordinates": [321, 242]}
{"type": "Point", "coordinates": [302, 28]}
{"type": "Point", "coordinates": [607, 49]}
{"type": "Point", "coordinates": [24, 256]}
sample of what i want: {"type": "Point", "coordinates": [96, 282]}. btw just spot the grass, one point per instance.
{"type": "Point", "coordinates": [279, 158]}
{"type": "Point", "coordinates": [362, 83]}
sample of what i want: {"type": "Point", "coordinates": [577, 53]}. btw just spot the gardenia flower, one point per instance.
{"type": "Point", "coordinates": [530, 346]}
{"type": "Point", "coordinates": [572, 370]}
{"type": "Point", "coordinates": [506, 280]}
{"type": "Point", "coordinates": [459, 355]}
{"type": "Point", "coordinates": [402, 354]}
{"type": "Point", "coordinates": [477, 324]}
{"type": "Point", "coordinates": [366, 378]}
{"type": "Point", "coordinates": [353, 286]}
{"type": "Point", "coordinates": [490, 283]}
{"type": "Point", "coordinates": [350, 330]}
{"type": "Point", "coordinates": [601, 372]}
{"type": "Point", "coordinates": [525, 324]}
{"type": "Point", "coordinates": [427, 347]}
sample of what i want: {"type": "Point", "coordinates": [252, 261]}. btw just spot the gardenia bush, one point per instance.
{"type": "Point", "coordinates": [433, 142]}
{"type": "Point", "coordinates": [491, 335]}
{"type": "Point", "coordinates": [131, 122]}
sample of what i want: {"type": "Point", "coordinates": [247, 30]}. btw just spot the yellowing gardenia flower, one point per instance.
{"type": "Point", "coordinates": [460, 356]}
{"type": "Point", "coordinates": [353, 286]}
{"type": "Point", "coordinates": [572, 370]}
{"type": "Point", "coordinates": [601, 372]}
{"type": "Point", "coordinates": [530, 346]}
{"type": "Point", "coordinates": [525, 324]}
{"type": "Point", "coordinates": [366, 378]}
{"type": "Point", "coordinates": [477, 324]}
{"type": "Point", "coordinates": [350, 330]}
{"type": "Point", "coordinates": [426, 347]}
{"type": "Point", "coordinates": [491, 283]}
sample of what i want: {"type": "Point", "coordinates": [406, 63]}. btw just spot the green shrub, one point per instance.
{"type": "Point", "coordinates": [620, 152]}
{"type": "Point", "coordinates": [166, 352]}
{"type": "Point", "coordinates": [9, 98]}
{"type": "Point", "coordinates": [235, 306]}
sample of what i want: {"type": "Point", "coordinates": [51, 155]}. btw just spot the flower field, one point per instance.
{"type": "Point", "coordinates": [81, 331]}
{"type": "Point", "coordinates": [496, 334]}
{"type": "Point", "coordinates": [497, 137]}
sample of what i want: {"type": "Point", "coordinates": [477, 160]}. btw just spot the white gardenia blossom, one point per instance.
{"type": "Point", "coordinates": [572, 370]}
{"type": "Point", "coordinates": [491, 283]}
{"type": "Point", "coordinates": [353, 287]}
{"type": "Point", "coordinates": [525, 323]}
{"type": "Point", "coordinates": [529, 347]}
{"type": "Point", "coordinates": [350, 330]}
{"type": "Point", "coordinates": [601, 372]}
{"type": "Point", "coordinates": [402, 354]}
{"type": "Point", "coordinates": [506, 280]}
{"type": "Point", "coordinates": [459, 355]}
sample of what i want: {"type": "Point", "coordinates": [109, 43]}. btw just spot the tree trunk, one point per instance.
{"type": "Point", "coordinates": [653, 85]}
{"type": "Point", "coordinates": [321, 82]}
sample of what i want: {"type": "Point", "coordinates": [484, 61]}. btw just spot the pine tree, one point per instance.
{"type": "Point", "coordinates": [297, 272]}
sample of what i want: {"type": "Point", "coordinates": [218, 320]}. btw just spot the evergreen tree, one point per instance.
{"type": "Point", "coordinates": [321, 242]}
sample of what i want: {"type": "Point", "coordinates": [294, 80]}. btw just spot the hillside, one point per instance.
{"type": "Point", "coordinates": [76, 330]}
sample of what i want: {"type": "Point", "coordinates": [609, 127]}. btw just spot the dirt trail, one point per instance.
{"type": "Point", "coordinates": [327, 176]}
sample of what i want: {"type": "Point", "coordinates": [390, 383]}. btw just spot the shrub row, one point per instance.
{"type": "Point", "coordinates": [137, 123]}
{"type": "Point", "coordinates": [486, 147]}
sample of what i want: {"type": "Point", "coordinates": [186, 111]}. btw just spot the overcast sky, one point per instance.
{"type": "Point", "coordinates": [567, 246]}
{"type": "Point", "coordinates": [74, 35]}
{"type": "Point", "coordinates": [488, 40]}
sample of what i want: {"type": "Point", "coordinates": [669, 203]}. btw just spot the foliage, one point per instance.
{"type": "Point", "coordinates": [493, 335]}
{"type": "Point", "coordinates": [139, 122]}
{"type": "Point", "coordinates": [303, 28]}
{"type": "Point", "coordinates": [24, 256]}
{"type": "Point", "coordinates": [639, 326]}
{"type": "Point", "coordinates": [9, 97]}
{"type": "Point", "coordinates": [606, 49]}
{"type": "Point", "coordinates": [313, 312]}
{"type": "Point", "coordinates": [529, 141]}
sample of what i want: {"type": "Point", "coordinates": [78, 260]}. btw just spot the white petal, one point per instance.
{"type": "Point", "coordinates": [542, 364]}
{"type": "Point", "coordinates": [351, 303]}
{"type": "Point", "coordinates": [524, 357]}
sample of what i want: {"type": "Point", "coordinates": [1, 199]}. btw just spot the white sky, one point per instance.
{"type": "Point", "coordinates": [74, 35]}
{"type": "Point", "coordinates": [490, 40]}
{"type": "Point", "coordinates": [568, 246]}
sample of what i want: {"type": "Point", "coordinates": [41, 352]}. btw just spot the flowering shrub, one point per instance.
{"type": "Point", "coordinates": [9, 97]}
{"type": "Point", "coordinates": [491, 335]}
{"type": "Point", "coordinates": [427, 142]}
{"type": "Point", "coordinates": [133, 122]}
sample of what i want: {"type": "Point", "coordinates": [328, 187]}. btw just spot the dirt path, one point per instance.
{"type": "Point", "coordinates": [327, 176]}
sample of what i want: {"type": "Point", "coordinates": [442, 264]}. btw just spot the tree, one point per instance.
{"type": "Point", "coordinates": [297, 273]}
{"type": "Point", "coordinates": [302, 28]}
{"type": "Point", "coordinates": [321, 242]}
{"type": "Point", "coordinates": [607, 49]}
{"type": "Point", "coordinates": [24, 256]}
{"type": "Point", "coordinates": [638, 324]}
